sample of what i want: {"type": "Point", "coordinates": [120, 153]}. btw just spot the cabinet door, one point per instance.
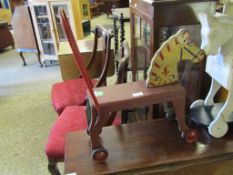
{"type": "Point", "coordinates": [44, 30]}
{"type": "Point", "coordinates": [66, 6]}
{"type": "Point", "coordinates": [141, 45]}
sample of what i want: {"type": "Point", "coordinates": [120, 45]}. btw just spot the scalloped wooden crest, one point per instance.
{"type": "Point", "coordinates": [163, 66]}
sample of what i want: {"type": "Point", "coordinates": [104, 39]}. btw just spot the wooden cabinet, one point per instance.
{"type": "Point", "coordinates": [48, 27]}
{"type": "Point", "coordinates": [148, 17]}
{"type": "Point", "coordinates": [152, 21]}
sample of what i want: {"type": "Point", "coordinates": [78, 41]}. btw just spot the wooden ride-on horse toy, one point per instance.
{"type": "Point", "coordinates": [109, 99]}
{"type": "Point", "coordinates": [217, 41]}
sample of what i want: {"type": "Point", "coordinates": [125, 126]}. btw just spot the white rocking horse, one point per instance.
{"type": "Point", "coordinates": [217, 42]}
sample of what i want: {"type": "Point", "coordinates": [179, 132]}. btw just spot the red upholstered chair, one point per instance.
{"type": "Point", "coordinates": [73, 118]}
{"type": "Point", "coordinates": [73, 92]}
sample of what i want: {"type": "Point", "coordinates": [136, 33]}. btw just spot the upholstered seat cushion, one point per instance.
{"type": "Point", "coordinates": [69, 93]}
{"type": "Point", "coordinates": [73, 118]}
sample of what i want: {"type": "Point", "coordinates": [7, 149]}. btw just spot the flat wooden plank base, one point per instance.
{"type": "Point", "coordinates": [151, 147]}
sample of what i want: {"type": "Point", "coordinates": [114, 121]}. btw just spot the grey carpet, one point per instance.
{"type": "Point", "coordinates": [26, 114]}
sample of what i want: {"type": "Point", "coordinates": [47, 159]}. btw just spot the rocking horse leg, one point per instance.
{"type": "Point", "coordinates": [214, 87]}
{"type": "Point", "coordinates": [218, 128]}
{"type": "Point", "coordinates": [99, 153]}
{"type": "Point", "coordinates": [190, 135]}
{"type": "Point", "coordinates": [209, 100]}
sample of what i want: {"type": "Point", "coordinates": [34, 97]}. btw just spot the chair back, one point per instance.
{"type": "Point", "coordinates": [78, 57]}
{"type": "Point", "coordinates": [106, 37]}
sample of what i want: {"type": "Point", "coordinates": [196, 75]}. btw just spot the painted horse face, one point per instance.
{"type": "Point", "coordinates": [163, 67]}
{"type": "Point", "coordinates": [190, 50]}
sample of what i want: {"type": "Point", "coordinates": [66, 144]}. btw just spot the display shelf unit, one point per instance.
{"type": "Point", "coordinates": [48, 26]}
{"type": "Point", "coordinates": [150, 22]}
{"type": "Point", "coordinates": [148, 17]}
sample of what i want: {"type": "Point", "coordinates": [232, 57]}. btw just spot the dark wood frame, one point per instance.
{"type": "Point", "coordinates": [164, 14]}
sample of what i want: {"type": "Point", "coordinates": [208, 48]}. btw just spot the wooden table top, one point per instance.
{"type": "Point", "coordinates": [144, 145]}
{"type": "Point", "coordinates": [85, 46]}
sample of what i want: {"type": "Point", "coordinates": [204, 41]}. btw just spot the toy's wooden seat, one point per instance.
{"type": "Point", "coordinates": [110, 99]}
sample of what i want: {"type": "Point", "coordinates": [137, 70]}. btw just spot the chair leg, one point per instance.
{"type": "Point", "coordinates": [52, 167]}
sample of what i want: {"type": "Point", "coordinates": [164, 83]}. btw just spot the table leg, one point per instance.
{"type": "Point", "coordinates": [39, 59]}
{"type": "Point", "coordinates": [21, 55]}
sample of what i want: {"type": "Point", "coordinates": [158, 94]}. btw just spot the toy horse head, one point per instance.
{"type": "Point", "coordinates": [216, 31]}
{"type": "Point", "coordinates": [163, 66]}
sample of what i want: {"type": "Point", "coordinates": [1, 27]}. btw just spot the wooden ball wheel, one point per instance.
{"type": "Point", "coordinates": [99, 154]}
{"type": "Point", "coordinates": [191, 135]}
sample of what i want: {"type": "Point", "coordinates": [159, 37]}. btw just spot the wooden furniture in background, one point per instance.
{"type": "Point", "coordinates": [121, 15]}
{"type": "Point", "coordinates": [24, 34]}
{"type": "Point", "coordinates": [94, 9]}
{"type": "Point", "coordinates": [151, 147]}
{"type": "Point", "coordinates": [148, 18]}
{"type": "Point", "coordinates": [48, 27]}
{"type": "Point", "coordinates": [67, 64]}
{"type": "Point", "coordinates": [5, 35]}
{"type": "Point", "coordinates": [109, 4]}
{"type": "Point", "coordinates": [101, 5]}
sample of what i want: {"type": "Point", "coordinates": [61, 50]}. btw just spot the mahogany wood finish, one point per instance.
{"type": "Point", "coordinates": [67, 64]}
{"type": "Point", "coordinates": [159, 14]}
{"type": "Point", "coordinates": [24, 34]}
{"type": "Point", "coordinates": [5, 35]}
{"type": "Point", "coordinates": [151, 147]}
{"type": "Point", "coordinates": [131, 95]}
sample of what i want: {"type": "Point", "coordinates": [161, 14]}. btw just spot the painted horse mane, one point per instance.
{"type": "Point", "coordinates": [163, 66]}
